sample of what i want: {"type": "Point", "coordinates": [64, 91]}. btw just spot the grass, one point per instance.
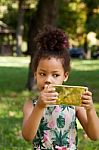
{"type": "Point", "coordinates": [13, 94]}
{"type": "Point", "coordinates": [85, 72]}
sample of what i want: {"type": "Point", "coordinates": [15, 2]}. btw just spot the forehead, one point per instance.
{"type": "Point", "coordinates": [50, 64]}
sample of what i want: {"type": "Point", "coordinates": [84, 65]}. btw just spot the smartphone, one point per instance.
{"type": "Point", "coordinates": [69, 95]}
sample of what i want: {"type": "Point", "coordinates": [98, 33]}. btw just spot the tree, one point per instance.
{"type": "Point", "coordinates": [72, 19]}
{"type": "Point", "coordinates": [23, 5]}
{"type": "Point", "coordinates": [20, 26]}
{"type": "Point", "coordinates": [92, 20]}
{"type": "Point", "coordinates": [46, 13]}
{"type": "Point", "coordinates": [16, 17]}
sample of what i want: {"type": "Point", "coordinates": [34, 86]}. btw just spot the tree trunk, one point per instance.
{"type": "Point", "coordinates": [85, 44]}
{"type": "Point", "coordinates": [87, 50]}
{"type": "Point", "coordinates": [47, 12]}
{"type": "Point", "coordinates": [20, 27]}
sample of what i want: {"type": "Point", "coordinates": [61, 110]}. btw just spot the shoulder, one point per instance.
{"type": "Point", "coordinates": [80, 110]}
{"type": "Point", "coordinates": [82, 116]}
{"type": "Point", "coordinates": [28, 106]}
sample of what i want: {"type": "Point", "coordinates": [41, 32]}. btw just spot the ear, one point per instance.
{"type": "Point", "coordinates": [66, 76]}
{"type": "Point", "coordinates": [35, 74]}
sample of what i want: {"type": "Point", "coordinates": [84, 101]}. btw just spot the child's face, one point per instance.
{"type": "Point", "coordinates": [50, 71]}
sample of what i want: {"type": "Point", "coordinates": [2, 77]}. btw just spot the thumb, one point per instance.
{"type": "Point", "coordinates": [45, 87]}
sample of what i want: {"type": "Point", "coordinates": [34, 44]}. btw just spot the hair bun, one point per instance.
{"type": "Point", "coordinates": [52, 39]}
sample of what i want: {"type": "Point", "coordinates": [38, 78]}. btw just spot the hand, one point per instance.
{"type": "Point", "coordinates": [87, 101]}
{"type": "Point", "coordinates": [47, 96]}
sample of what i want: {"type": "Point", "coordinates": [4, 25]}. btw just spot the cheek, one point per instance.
{"type": "Point", "coordinates": [59, 80]}
{"type": "Point", "coordinates": [38, 85]}
{"type": "Point", "coordinates": [62, 79]}
{"type": "Point", "coordinates": [39, 82]}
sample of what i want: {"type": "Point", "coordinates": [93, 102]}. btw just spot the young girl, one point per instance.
{"type": "Point", "coordinates": [50, 126]}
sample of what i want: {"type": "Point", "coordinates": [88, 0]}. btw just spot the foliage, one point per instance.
{"type": "Point", "coordinates": [72, 17]}
{"type": "Point", "coordinates": [92, 12]}
{"type": "Point", "coordinates": [6, 2]}
{"type": "Point", "coordinates": [76, 17]}
{"type": "Point", "coordinates": [10, 17]}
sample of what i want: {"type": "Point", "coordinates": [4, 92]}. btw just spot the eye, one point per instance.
{"type": "Point", "coordinates": [56, 75]}
{"type": "Point", "coordinates": [42, 74]}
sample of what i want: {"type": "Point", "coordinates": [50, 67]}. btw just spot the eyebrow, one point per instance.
{"type": "Point", "coordinates": [52, 71]}
{"type": "Point", "coordinates": [42, 70]}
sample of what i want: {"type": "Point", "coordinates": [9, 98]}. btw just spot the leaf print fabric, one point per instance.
{"type": "Point", "coordinates": [57, 130]}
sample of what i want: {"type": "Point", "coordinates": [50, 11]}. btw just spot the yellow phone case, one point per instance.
{"type": "Point", "coordinates": [69, 95]}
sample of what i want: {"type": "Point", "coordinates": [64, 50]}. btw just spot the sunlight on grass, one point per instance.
{"type": "Point", "coordinates": [97, 106]}
{"type": "Point", "coordinates": [85, 65]}
{"type": "Point", "coordinates": [14, 61]}
{"type": "Point", "coordinates": [79, 125]}
{"type": "Point", "coordinates": [11, 123]}
{"type": "Point", "coordinates": [3, 107]}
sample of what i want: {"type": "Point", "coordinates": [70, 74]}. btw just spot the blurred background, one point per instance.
{"type": "Point", "coordinates": [20, 21]}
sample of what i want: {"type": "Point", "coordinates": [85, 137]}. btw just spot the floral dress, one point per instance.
{"type": "Point", "coordinates": [57, 130]}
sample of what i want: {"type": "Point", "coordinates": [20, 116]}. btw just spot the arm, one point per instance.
{"type": "Point", "coordinates": [32, 118]}
{"type": "Point", "coordinates": [33, 114]}
{"type": "Point", "coordinates": [88, 117]}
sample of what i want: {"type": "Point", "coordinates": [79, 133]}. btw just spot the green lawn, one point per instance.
{"type": "Point", "coordinates": [13, 94]}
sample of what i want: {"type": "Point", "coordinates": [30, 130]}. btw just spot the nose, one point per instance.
{"type": "Point", "coordinates": [48, 80]}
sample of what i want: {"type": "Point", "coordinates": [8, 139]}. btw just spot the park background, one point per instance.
{"type": "Point", "coordinates": [20, 21]}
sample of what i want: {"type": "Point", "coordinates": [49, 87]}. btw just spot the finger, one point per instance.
{"type": "Point", "coordinates": [51, 96]}
{"type": "Point", "coordinates": [88, 93]}
{"type": "Point", "coordinates": [85, 105]}
{"type": "Point", "coordinates": [51, 102]}
{"type": "Point", "coordinates": [86, 102]}
{"type": "Point", "coordinates": [49, 88]}
{"type": "Point", "coordinates": [86, 97]}
{"type": "Point", "coordinates": [45, 87]}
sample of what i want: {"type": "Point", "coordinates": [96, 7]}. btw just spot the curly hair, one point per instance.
{"type": "Point", "coordinates": [52, 42]}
